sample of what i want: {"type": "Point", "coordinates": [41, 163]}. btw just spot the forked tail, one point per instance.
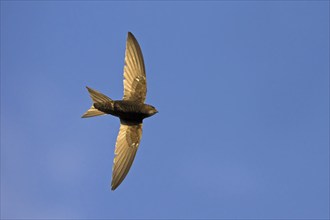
{"type": "Point", "coordinates": [97, 97]}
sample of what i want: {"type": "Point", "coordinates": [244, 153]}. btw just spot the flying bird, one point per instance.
{"type": "Point", "coordinates": [131, 110]}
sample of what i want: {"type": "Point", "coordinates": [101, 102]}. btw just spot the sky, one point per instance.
{"type": "Point", "coordinates": [242, 89]}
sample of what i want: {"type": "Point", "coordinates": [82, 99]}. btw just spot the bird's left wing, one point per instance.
{"type": "Point", "coordinates": [128, 141]}
{"type": "Point", "coordinates": [135, 82]}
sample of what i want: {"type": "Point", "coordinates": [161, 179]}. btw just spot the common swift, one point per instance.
{"type": "Point", "coordinates": [131, 110]}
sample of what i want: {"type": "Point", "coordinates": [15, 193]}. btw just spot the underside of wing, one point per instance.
{"type": "Point", "coordinates": [135, 83]}
{"type": "Point", "coordinates": [128, 141]}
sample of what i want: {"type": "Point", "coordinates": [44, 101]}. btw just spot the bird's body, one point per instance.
{"type": "Point", "coordinates": [131, 110]}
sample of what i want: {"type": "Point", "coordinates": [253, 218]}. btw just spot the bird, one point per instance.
{"type": "Point", "coordinates": [131, 110]}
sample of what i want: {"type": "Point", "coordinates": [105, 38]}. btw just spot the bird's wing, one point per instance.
{"type": "Point", "coordinates": [128, 141]}
{"type": "Point", "coordinates": [135, 82]}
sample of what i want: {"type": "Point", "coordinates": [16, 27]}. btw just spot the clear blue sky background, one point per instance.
{"type": "Point", "coordinates": [242, 90]}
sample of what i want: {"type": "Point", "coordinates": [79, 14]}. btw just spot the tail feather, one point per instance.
{"type": "Point", "coordinates": [97, 97]}
{"type": "Point", "coordinates": [92, 112]}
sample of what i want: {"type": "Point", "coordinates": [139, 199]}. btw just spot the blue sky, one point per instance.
{"type": "Point", "coordinates": [242, 90]}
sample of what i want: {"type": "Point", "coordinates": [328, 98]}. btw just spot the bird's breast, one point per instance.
{"type": "Point", "coordinates": [130, 111]}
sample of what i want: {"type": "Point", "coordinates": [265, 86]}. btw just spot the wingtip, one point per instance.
{"type": "Point", "coordinates": [113, 187]}
{"type": "Point", "coordinates": [130, 35]}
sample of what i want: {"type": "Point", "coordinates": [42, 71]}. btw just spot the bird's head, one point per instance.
{"type": "Point", "coordinates": [151, 110]}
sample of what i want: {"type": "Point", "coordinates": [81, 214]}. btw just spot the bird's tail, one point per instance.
{"type": "Point", "coordinates": [97, 97]}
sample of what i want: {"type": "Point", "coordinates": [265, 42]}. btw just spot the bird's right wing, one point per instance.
{"type": "Point", "coordinates": [128, 141]}
{"type": "Point", "coordinates": [135, 82]}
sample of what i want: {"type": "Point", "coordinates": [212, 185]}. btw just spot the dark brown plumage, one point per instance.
{"type": "Point", "coordinates": [131, 110]}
